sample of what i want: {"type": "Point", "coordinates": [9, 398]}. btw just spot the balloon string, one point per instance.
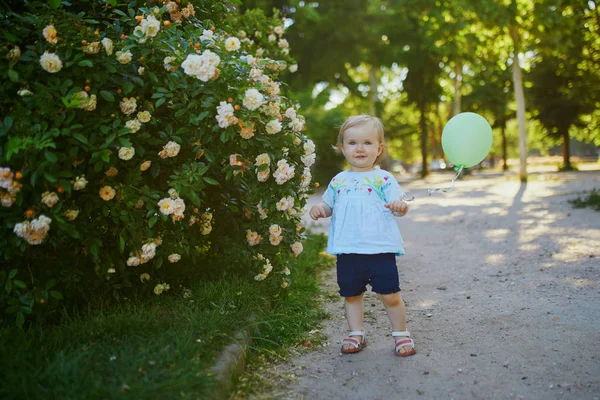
{"type": "Point", "coordinates": [450, 189]}
{"type": "Point", "coordinates": [406, 197]}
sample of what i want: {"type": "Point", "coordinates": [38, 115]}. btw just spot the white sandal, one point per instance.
{"type": "Point", "coordinates": [358, 345]}
{"type": "Point", "coordinates": [400, 344]}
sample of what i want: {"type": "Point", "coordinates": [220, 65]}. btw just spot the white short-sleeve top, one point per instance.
{"type": "Point", "coordinates": [360, 223]}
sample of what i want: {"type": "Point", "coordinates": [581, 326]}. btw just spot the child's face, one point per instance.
{"type": "Point", "coordinates": [361, 147]}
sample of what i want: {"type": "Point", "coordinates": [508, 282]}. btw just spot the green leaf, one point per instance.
{"type": "Point", "coordinates": [203, 170]}
{"type": "Point", "coordinates": [50, 156]}
{"type": "Point", "coordinates": [20, 317]}
{"type": "Point", "coordinates": [193, 196]}
{"type": "Point", "coordinates": [152, 221]}
{"type": "Point", "coordinates": [13, 75]}
{"type": "Point", "coordinates": [159, 102]}
{"type": "Point", "coordinates": [106, 95]}
{"type": "Point", "coordinates": [20, 284]}
{"type": "Point", "coordinates": [81, 138]}
{"type": "Point", "coordinates": [210, 181]}
{"type": "Point", "coordinates": [50, 178]}
{"type": "Point", "coordinates": [85, 63]}
{"type": "Point", "coordinates": [110, 139]}
{"type": "Point", "coordinates": [8, 121]}
{"type": "Point", "coordinates": [12, 273]}
{"type": "Point", "coordinates": [57, 295]}
{"type": "Point", "coordinates": [121, 244]}
{"type": "Point", "coordinates": [224, 137]}
{"type": "Point", "coordinates": [127, 87]}
{"type": "Point", "coordinates": [50, 284]}
{"type": "Point", "coordinates": [54, 3]}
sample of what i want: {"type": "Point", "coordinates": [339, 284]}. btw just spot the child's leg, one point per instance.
{"type": "Point", "coordinates": [355, 312]}
{"type": "Point", "coordinates": [396, 311]}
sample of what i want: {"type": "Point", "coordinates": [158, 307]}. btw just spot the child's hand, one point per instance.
{"type": "Point", "coordinates": [398, 206]}
{"type": "Point", "coordinates": [318, 211]}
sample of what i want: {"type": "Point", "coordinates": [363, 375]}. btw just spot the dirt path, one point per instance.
{"type": "Point", "coordinates": [502, 286]}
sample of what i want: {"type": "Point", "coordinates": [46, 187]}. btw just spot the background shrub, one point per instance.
{"type": "Point", "coordinates": [130, 138]}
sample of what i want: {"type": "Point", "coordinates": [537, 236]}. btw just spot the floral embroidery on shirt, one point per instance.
{"type": "Point", "coordinates": [337, 185]}
{"type": "Point", "coordinates": [378, 185]}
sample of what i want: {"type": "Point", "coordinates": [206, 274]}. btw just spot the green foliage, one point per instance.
{"type": "Point", "coordinates": [592, 199]}
{"type": "Point", "coordinates": [439, 51]}
{"type": "Point", "coordinates": [128, 142]}
{"type": "Point", "coordinates": [163, 347]}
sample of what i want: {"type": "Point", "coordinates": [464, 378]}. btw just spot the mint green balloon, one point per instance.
{"type": "Point", "coordinates": [467, 139]}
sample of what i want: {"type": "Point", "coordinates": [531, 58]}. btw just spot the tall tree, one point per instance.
{"type": "Point", "coordinates": [512, 18]}
{"type": "Point", "coordinates": [563, 89]}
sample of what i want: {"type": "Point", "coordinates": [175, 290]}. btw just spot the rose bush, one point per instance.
{"type": "Point", "coordinates": [138, 136]}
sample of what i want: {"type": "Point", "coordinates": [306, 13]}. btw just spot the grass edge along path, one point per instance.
{"type": "Point", "coordinates": [162, 348]}
{"type": "Point", "coordinates": [592, 200]}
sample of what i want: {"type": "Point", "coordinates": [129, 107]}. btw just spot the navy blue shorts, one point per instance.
{"type": "Point", "coordinates": [355, 271]}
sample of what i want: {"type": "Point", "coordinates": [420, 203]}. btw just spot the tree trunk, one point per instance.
{"type": "Point", "coordinates": [374, 97]}
{"type": "Point", "coordinates": [504, 156]}
{"type": "Point", "coordinates": [566, 150]}
{"type": "Point", "coordinates": [457, 100]}
{"type": "Point", "coordinates": [520, 97]}
{"type": "Point", "coordinates": [423, 124]}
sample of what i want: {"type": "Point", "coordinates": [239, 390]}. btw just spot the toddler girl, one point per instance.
{"type": "Point", "coordinates": [364, 234]}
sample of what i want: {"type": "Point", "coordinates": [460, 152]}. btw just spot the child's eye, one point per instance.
{"type": "Point", "coordinates": [367, 142]}
{"type": "Point", "coordinates": [352, 142]}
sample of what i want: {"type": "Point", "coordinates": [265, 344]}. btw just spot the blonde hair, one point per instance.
{"type": "Point", "coordinates": [360, 120]}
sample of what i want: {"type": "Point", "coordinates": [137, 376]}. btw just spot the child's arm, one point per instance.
{"type": "Point", "coordinates": [321, 210]}
{"type": "Point", "coordinates": [398, 206]}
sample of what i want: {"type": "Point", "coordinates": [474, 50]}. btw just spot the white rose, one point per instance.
{"type": "Point", "coordinates": [290, 113]}
{"type": "Point", "coordinates": [293, 68]}
{"type": "Point", "coordinates": [232, 44]}
{"type": "Point", "coordinates": [124, 57]}
{"type": "Point", "coordinates": [144, 116]}
{"type": "Point", "coordinates": [274, 126]}
{"type": "Point", "coordinates": [150, 26]}
{"type": "Point", "coordinates": [309, 147]}
{"type": "Point", "coordinates": [70, 215]}
{"type": "Point", "coordinates": [166, 206]}
{"type": "Point", "coordinates": [133, 261]}
{"type": "Point", "coordinates": [49, 199]}
{"type": "Point", "coordinates": [128, 105]}
{"type": "Point", "coordinates": [296, 249]}
{"type": "Point", "coordinates": [134, 125]}
{"type": "Point", "coordinates": [80, 183]}
{"type": "Point", "coordinates": [24, 92]}
{"type": "Point", "coordinates": [50, 62]}
{"type": "Point", "coordinates": [207, 35]}
{"type": "Point", "coordinates": [108, 46]}
{"type": "Point", "coordinates": [308, 160]}
{"type": "Point", "coordinates": [126, 153]}
{"type": "Point", "coordinates": [253, 99]}
{"type": "Point", "coordinates": [173, 258]}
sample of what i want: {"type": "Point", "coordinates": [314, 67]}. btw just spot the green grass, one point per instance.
{"type": "Point", "coordinates": [592, 200]}
{"type": "Point", "coordinates": [160, 348]}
